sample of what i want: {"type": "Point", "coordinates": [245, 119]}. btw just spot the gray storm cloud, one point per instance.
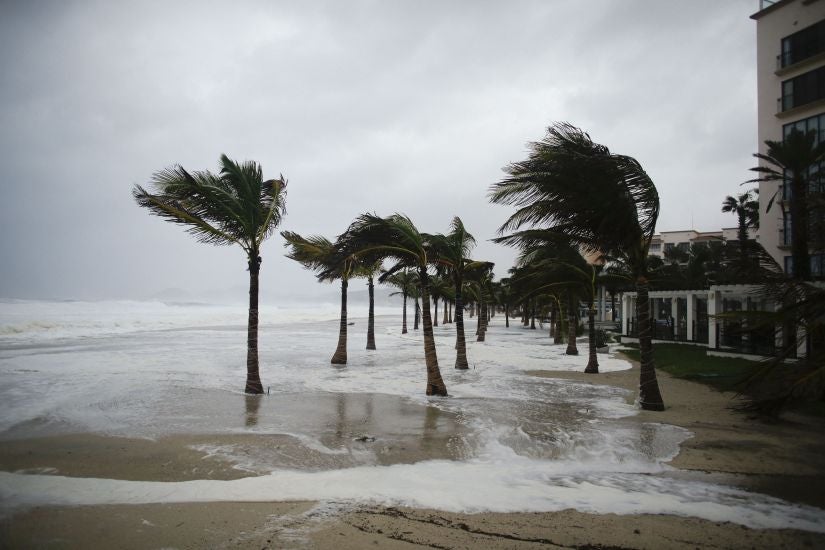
{"type": "Point", "coordinates": [363, 106]}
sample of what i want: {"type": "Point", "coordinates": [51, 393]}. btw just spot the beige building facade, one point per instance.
{"type": "Point", "coordinates": [790, 57]}
{"type": "Point", "coordinates": [661, 242]}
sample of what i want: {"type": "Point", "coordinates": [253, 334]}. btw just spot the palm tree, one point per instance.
{"type": "Point", "coordinates": [323, 256]}
{"type": "Point", "coordinates": [746, 209]}
{"type": "Point", "coordinates": [396, 238]}
{"type": "Point", "coordinates": [479, 279]}
{"type": "Point", "coordinates": [404, 281]}
{"type": "Point", "coordinates": [439, 289]}
{"type": "Point", "coordinates": [601, 202]}
{"type": "Point", "coordinates": [451, 252]}
{"type": "Point", "coordinates": [795, 162]}
{"type": "Point", "coordinates": [370, 271]}
{"type": "Point", "coordinates": [235, 206]}
{"type": "Point", "coordinates": [504, 296]}
{"type": "Point", "coordinates": [552, 264]}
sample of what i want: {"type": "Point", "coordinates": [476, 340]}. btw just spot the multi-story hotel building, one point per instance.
{"type": "Point", "coordinates": [790, 58]}
{"type": "Point", "coordinates": [664, 241]}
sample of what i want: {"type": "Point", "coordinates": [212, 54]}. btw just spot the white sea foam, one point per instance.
{"type": "Point", "coordinates": [526, 443]}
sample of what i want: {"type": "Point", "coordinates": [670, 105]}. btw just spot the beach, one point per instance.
{"type": "Point", "coordinates": [528, 452]}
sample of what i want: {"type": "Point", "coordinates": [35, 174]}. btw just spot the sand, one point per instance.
{"type": "Point", "coordinates": [784, 458]}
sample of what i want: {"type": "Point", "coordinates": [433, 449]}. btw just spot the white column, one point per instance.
{"type": "Point", "coordinates": [602, 304]}
{"type": "Point", "coordinates": [625, 312]}
{"type": "Point", "coordinates": [714, 304]}
{"type": "Point", "coordinates": [674, 314]}
{"type": "Point", "coordinates": [801, 341]}
{"type": "Point", "coordinates": [691, 315]}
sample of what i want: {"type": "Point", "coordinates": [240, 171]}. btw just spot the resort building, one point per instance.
{"type": "Point", "coordinates": [666, 240]}
{"type": "Point", "coordinates": [790, 58]}
{"type": "Point", "coordinates": [791, 95]}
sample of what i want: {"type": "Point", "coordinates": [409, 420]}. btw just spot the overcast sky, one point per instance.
{"type": "Point", "coordinates": [377, 106]}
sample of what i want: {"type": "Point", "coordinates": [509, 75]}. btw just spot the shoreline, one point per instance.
{"type": "Point", "coordinates": [784, 458]}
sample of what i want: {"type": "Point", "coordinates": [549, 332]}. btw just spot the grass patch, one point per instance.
{"type": "Point", "coordinates": [693, 363]}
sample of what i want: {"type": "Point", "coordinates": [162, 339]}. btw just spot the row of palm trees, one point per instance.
{"type": "Point", "coordinates": [237, 206]}
{"type": "Point", "coordinates": [574, 196]}
{"type": "Point", "coordinates": [575, 202]}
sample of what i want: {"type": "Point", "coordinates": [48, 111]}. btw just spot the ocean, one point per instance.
{"type": "Point", "coordinates": [502, 441]}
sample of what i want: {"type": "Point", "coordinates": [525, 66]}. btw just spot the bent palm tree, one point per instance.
{"type": "Point", "coordinates": [600, 201]}
{"type": "Point", "coordinates": [451, 252]}
{"type": "Point", "coordinates": [235, 206]}
{"type": "Point", "coordinates": [550, 264]}
{"type": "Point", "coordinates": [395, 237]}
{"type": "Point", "coordinates": [322, 256]}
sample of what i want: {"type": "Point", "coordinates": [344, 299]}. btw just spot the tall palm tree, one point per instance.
{"type": "Point", "coordinates": [479, 279]}
{"type": "Point", "coordinates": [451, 252]}
{"type": "Point", "coordinates": [369, 271]}
{"type": "Point", "coordinates": [600, 201]}
{"type": "Point", "coordinates": [234, 206]}
{"type": "Point", "coordinates": [746, 209]}
{"type": "Point", "coordinates": [439, 290]}
{"type": "Point", "coordinates": [795, 163]}
{"type": "Point", "coordinates": [405, 282]}
{"type": "Point", "coordinates": [373, 238]}
{"type": "Point", "coordinates": [323, 257]}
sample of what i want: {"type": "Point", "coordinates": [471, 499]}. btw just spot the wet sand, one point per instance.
{"type": "Point", "coordinates": [785, 458]}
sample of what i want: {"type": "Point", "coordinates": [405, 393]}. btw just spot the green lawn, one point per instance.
{"type": "Point", "coordinates": [692, 363]}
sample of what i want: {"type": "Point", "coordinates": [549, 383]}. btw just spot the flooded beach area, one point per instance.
{"type": "Point", "coordinates": [144, 411]}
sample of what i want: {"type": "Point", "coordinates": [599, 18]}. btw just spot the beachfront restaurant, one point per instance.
{"type": "Point", "coordinates": [693, 317]}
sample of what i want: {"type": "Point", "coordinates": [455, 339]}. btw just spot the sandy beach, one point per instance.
{"type": "Point", "coordinates": [783, 458]}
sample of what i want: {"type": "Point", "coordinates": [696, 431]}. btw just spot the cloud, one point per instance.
{"type": "Point", "coordinates": [364, 106]}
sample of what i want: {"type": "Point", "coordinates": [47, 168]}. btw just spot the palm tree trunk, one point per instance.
{"type": "Point", "coordinates": [533, 315]}
{"type": "Point", "coordinates": [482, 321]}
{"type": "Point", "coordinates": [253, 377]}
{"type": "Point", "coordinates": [650, 398]}
{"type": "Point", "coordinates": [572, 325]}
{"type": "Point", "coordinates": [446, 319]}
{"type": "Point", "coordinates": [592, 360]}
{"type": "Point", "coordinates": [435, 312]}
{"type": "Point", "coordinates": [743, 238]}
{"type": "Point", "coordinates": [506, 315]}
{"type": "Point", "coordinates": [460, 344]}
{"type": "Point", "coordinates": [340, 355]}
{"type": "Point", "coordinates": [451, 312]}
{"type": "Point", "coordinates": [435, 384]}
{"type": "Point", "coordinates": [417, 314]}
{"type": "Point", "coordinates": [371, 322]}
{"type": "Point", "coordinates": [558, 338]}
{"type": "Point", "coordinates": [799, 228]}
{"type": "Point", "coordinates": [404, 322]}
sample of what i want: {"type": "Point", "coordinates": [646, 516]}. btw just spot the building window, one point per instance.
{"type": "Point", "coordinates": [656, 247]}
{"type": "Point", "coordinates": [669, 247]}
{"type": "Point", "coordinates": [817, 265]}
{"type": "Point", "coordinates": [803, 44]}
{"type": "Point", "coordinates": [684, 247]}
{"type": "Point", "coordinates": [816, 124]}
{"type": "Point", "coordinates": [810, 124]}
{"type": "Point", "coordinates": [787, 231]}
{"type": "Point", "coordinates": [803, 89]}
